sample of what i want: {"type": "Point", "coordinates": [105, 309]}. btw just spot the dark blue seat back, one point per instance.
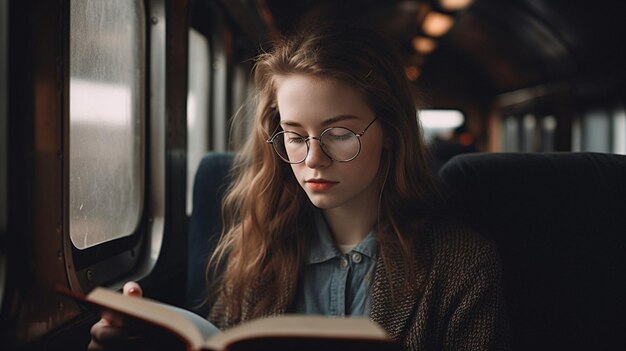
{"type": "Point", "coordinates": [205, 224]}
{"type": "Point", "coordinates": [559, 221]}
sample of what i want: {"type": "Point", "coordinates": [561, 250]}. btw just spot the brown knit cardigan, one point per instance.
{"type": "Point", "coordinates": [457, 304]}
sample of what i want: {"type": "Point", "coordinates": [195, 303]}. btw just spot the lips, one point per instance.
{"type": "Point", "coordinates": [319, 184]}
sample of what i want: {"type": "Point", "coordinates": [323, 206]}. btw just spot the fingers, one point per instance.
{"type": "Point", "coordinates": [111, 319]}
{"type": "Point", "coordinates": [110, 332]}
{"type": "Point", "coordinates": [132, 289]}
{"type": "Point", "coordinates": [104, 336]}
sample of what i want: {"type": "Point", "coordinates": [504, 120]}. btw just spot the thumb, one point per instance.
{"type": "Point", "coordinates": [114, 320]}
{"type": "Point", "coordinates": [132, 289]}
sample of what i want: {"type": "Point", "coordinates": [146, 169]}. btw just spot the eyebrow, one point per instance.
{"type": "Point", "coordinates": [325, 123]}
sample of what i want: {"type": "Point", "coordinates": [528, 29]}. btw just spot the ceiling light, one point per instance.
{"type": "Point", "coordinates": [454, 5]}
{"type": "Point", "coordinates": [424, 45]}
{"type": "Point", "coordinates": [412, 72]}
{"type": "Point", "coordinates": [437, 24]}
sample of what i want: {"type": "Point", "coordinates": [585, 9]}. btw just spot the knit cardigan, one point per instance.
{"type": "Point", "coordinates": [455, 304]}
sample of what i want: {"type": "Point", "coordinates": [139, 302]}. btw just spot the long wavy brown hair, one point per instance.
{"type": "Point", "coordinates": [268, 217]}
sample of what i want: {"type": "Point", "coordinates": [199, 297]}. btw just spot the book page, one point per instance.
{"type": "Point", "coordinates": [300, 326]}
{"type": "Point", "coordinates": [188, 325]}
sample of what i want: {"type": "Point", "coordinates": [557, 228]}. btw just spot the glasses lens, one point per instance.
{"type": "Point", "coordinates": [290, 146]}
{"type": "Point", "coordinates": [340, 144]}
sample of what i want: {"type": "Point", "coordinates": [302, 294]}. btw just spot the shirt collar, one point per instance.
{"type": "Point", "coordinates": [322, 246]}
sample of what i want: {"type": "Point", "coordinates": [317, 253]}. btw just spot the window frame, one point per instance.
{"type": "Point", "coordinates": [105, 263]}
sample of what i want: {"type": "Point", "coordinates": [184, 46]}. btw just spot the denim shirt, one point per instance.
{"type": "Point", "coordinates": [334, 283]}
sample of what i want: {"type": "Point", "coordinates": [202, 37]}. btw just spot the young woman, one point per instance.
{"type": "Point", "coordinates": [334, 210]}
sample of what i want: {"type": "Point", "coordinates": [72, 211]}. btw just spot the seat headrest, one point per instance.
{"type": "Point", "coordinates": [547, 187]}
{"type": "Point", "coordinates": [559, 221]}
{"type": "Point", "coordinates": [205, 225]}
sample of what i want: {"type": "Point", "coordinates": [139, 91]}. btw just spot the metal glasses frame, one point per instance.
{"type": "Point", "coordinates": [307, 140]}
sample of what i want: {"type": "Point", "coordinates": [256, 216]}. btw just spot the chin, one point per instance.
{"type": "Point", "coordinates": [322, 201]}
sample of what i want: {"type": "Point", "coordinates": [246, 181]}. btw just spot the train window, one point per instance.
{"type": "Point", "coordinates": [510, 133]}
{"type": "Point", "coordinates": [106, 120]}
{"type": "Point", "coordinates": [528, 133]}
{"type": "Point", "coordinates": [577, 135]}
{"type": "Point", "coordinates": [197, 106]}
{"type": "Point", "coordinates": [242, 104]}
{"type": "Point", "coordinates": [600, 130]}
{"type": "Point", "coordinates": [440, 122]}
{"type": "Point", "coordinates": [619, 130]}
{"type": "Point", "coordinates": [220, 88]}
{"type": "Point", "coordinates": [548, 133]}
{"type": "Point", "coordinates": [529, 129]}
{"type": "Point", "coordinates": [596, 131]}
{"type": "Point", "coordinates": [446, 132]}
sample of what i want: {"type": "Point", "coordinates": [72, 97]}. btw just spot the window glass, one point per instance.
{"type": "Point", "coordinates": [243, 106]}
{"type": "Point", "coordinates": [510, 134]}
{"type": "Point", "coordinates": [219, 118]}
{"type": "Point", "coordinates": [548, 133]}
{"type": "Point", "coordinates": [106, 120]}
{"type": "Point", "coordinates": [529, 137]}
{"type": "Point", "coordinates": [197, 106]}
{"type": "Point", "coordinates": [577, 135]}
{"type": "Point", "coordinates": [440, 122]}
{"type": "Point", "coordinates": [596, 131]}
{"type": "Point", "coordinates": [619, 130]}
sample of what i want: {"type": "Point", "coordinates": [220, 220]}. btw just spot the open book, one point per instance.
{"type": "Point", "coordinates": [287, 332]}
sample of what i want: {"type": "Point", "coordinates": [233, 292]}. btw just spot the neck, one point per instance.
{"type": "Point", "coordinates": [350, 226]}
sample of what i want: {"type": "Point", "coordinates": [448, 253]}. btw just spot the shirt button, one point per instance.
{"type": "Point", "coordinates": [356, 257]}
{"type": "Point", "coordinates": [343, 262]}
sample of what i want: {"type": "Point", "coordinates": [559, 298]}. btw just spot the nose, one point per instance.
{"type": "Point", "coordinates": [316, 158]}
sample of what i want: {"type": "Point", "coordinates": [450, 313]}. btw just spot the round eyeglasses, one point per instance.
{"type": "Point", "coordinates": [338, 143]}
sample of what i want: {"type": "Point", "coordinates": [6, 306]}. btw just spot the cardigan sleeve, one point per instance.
{"type": "Point", "coordinates": [476, 306]}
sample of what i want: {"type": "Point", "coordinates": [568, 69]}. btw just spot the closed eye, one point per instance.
{"type": "Point", "coordinates": [340, 137]}
{"type": "Point", "coordinates": [295, 140]}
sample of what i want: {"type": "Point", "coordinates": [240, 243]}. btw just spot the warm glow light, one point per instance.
{"type": "Point", "coordinates": [437, 24]}
{"type": "Point", "coordinates": [424, 45]}
{"type": "Point", "coordinates": [454, 5]}
{"type": "Point", "coordinates": [412, 72]}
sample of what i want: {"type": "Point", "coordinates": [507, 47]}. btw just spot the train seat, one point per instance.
{"type": "Point", "coordinates": [559, 221]}
{"type": "Point", "coordinates": [205, 224]}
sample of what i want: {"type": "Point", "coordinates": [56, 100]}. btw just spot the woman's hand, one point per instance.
{"type": "Point", "coordinates": [110, 333]}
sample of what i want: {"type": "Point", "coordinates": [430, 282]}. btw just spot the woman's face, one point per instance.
{"type": "Point", "coordinates": [309, 105]}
